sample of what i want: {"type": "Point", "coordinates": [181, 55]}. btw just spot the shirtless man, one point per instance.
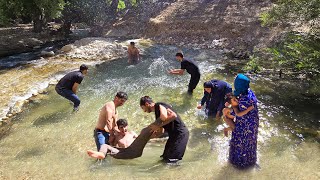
{"type": "Point", "coordinates": [133, 54]}
{"type": "Point", "coordinates": [123, 138]}
{"type": "Point", "coordinates": [106, 125]}
{"type": "Point", "coordinates": [135, 149]}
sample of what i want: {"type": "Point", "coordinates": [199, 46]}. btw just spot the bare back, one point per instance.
{"type": "Point", "coordinates": [107, 117]}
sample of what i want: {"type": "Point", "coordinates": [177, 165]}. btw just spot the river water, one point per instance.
{"type": "Point", "coordinates": [49, 141]}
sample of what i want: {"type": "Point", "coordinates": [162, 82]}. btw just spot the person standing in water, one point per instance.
{"type": "Point", "coordinates": [243, 143]}
{"type": "Point", "coordinates": [214, 97]}
{"type": "Point", "coordinates": [133, 54]}
{"type": "Point", "coordinates": [104, 133]}
{"type": "Point", "coordinates": [67, 87]}
{"type": "Point", "coordinates": [191, 67]}
{"type": "Point", "coordinates": [171, 122]}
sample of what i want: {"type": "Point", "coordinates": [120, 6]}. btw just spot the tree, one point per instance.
{"type": "Point", "coordinates": [295, 49]}
{"type": "Point", "coordinates": [39, 11]}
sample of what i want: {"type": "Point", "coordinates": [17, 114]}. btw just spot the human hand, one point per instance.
{"type": "Point", "coordinates": [154, 128]}
{"type": "Point", "coordinates": [251, 107]}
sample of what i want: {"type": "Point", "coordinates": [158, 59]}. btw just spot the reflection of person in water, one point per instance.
{"type": "Point", "coordinates": [133, 54]}
{"type": "Point", "coordinates": [133, 151]}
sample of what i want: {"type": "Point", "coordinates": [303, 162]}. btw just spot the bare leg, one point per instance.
{"type": "Point", "coordinates": [103, 151]}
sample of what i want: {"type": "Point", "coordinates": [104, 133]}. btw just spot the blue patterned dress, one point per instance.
{"type": "Point", "coordinates": [243, 144]}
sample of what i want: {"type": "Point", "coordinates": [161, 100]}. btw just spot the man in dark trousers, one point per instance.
{"type": "Point", "coordinates": [68, 85]}
{"type": "Point", "coordinates": [171, 122]}
{"type": "Point", "coordinates": [214, 97]}
{"type": "Point", "coordinates": [191, 67]}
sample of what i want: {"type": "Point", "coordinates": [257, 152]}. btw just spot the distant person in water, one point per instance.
{"type": "Point", "coordinates": [171, 122]}
{"type": "Point", "coordinates": [214, 97]}
{"type": "Point", "coordinates": [191, 67]}
{"type": "Point", "coordinates": [133, 54]}
{"type": "Point", "coordinates": [106, 127]}
{"type": "Point", "coordinates": [68, 85]}
{"type": "Point", "coordinates": [134, 150]}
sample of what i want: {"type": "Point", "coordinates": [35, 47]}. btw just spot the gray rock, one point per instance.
{"type": "Point", "coordinates": [47, 53]}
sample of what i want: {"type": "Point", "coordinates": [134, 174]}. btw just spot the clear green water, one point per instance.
{"type": "Point", "coordinates": [48, 141]}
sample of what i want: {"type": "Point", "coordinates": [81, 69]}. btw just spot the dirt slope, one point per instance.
{"type": "Point", "coordinates": [198, 23]}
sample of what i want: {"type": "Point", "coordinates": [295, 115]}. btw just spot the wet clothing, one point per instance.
{"type": "Point", "coordinates": [69, 79]}
{"type": "Point", "coordinates": [243, 144]}
{"type": "Point", "coordinates": [192, 68]}
{"type": "Point", "coordinates": [135, 150]}
{"type": "Point", "coordinates": [64, 86]}
{"type": "Point", "coordinates": [101, 137]}
{"type": "Point", "coordinates": [70, 95]}
{"type": "Point", "coordinates": [215, 100]}
{"type": "Point", "coordinates": [178, 136]}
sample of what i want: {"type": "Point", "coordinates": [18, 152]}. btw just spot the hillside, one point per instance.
{"type": "Point", "coordinates": [198, 23]}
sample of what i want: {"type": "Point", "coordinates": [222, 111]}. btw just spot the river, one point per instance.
{"type": "Point", "coordinates": [49, 141]}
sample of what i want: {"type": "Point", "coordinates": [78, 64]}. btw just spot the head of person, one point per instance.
{"type": "Point", "coordinates": [146, 104]}
{"type": "Point", "coordinates": [209, 86]}
{"type": "Point", "coordinates": [132, 44]}
{"type": "Point", "coordinates": [179, 56]}
{"type": "Point", "coordinates": [232, 100]}
{"type": "Point", "coordinates": [120, 98]}
{"type": "Point", "coordinates": [241, 85]}
{"type": "Point", "coordinates": [84, 69]}
{"type": "Point", "coordinates": [122, 126]}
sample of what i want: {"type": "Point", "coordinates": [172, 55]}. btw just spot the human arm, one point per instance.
{"type": "Point", "coordinates": [110, 118]}
{"type": "Point", "coordinates": [203, 100]}
{"type": "Point", "coordinates": [242, 113]}
{"type": "Point", "coordinates": [166, 116]}
{"type": "Point", "coordinates": [157, 133]}
{"type": "Point", "coordinates": [75, 88]}
{"type": "Point", "coordinates": [129, 55]}
{"type": "Point", "coordinates": [177, 71]}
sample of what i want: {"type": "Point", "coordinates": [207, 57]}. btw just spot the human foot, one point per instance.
{"type": "Point", "coordinates": [96, 154]}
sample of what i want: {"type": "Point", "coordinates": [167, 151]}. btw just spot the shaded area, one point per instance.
{"type": "Point", "coordinates": [55, 117]}
{"type": "Point", "coordinates": [29, 153]}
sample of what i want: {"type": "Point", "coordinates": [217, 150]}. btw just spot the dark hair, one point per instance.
{"type": "Point", "coordinates": [145, 99]}
{"type": "Point", "coordinates": [122, 95]}
{"type": "Point", "coordinates": [229, 97]}
{"type": "Point", "coordinates": [132, 43]}
{"type": "Point", "coordinates": [122, 122]}
{"type": "Point", "coordinates": [179, 54]}
{"type": "Point", "coordinates": [83, 67]}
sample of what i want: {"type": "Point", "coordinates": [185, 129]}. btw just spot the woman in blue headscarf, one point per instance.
{"type": "Point", "coordinates": [243, 144]}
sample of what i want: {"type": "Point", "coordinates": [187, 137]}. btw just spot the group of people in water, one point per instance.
{"type": "Point", "coordinates": [238, 109]}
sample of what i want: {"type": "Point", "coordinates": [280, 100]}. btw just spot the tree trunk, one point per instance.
{"type": "Point", "coordinates": [128, 4]}
{"type": "Point", "coordinates": [114, 7]}
{"type": "Point", "coordinates": [39, 21]}
{"type": "Point", "coordinates": [38, 25]}
{"type": "Point", "coordinates": [66, 28]}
